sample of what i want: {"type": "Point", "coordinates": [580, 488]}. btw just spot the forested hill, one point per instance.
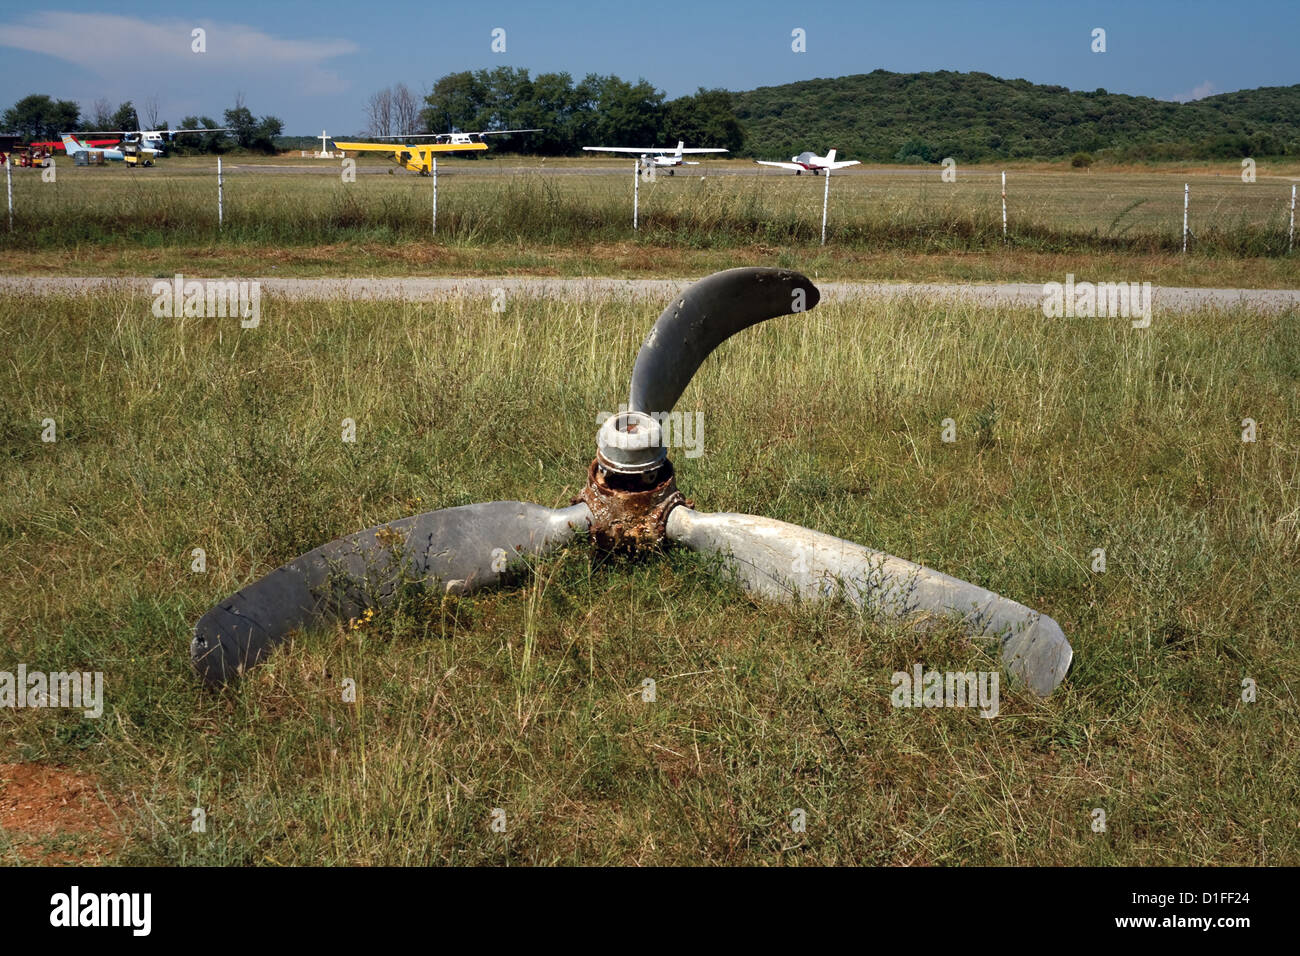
{"type": "Point", "coordinates": [897, 117]}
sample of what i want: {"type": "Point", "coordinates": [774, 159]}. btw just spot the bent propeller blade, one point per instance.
{"type": "Point", "coordinates": [702, 318]}
{"type": "Point", "coordinates": [463, 548]}
{"type": "Point", "coordinates": [781, 561]}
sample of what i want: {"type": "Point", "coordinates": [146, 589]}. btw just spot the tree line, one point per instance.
{"type": "Point", "coordinates": [878, 117]}
{"type": "Point", "coordinates": [40, 118]}
{"type": "Point", "coordinates": [593, 111]}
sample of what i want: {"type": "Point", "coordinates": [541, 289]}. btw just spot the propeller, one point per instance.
{"type": "Point", "coordinates": [631, 503]}
{"type": "Point", "coordinates": [702, 318]}
{"type": "Point", "coordinates": [785, 562]}
{"type": "Point", "coordinates": [462, 549]}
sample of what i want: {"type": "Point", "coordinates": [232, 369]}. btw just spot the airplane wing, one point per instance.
{"type": "Point", "coordinates": [369, 147]}
{"type": "Point", "coordinates": [847, 162]}
{"type": "Point", "coordinates": [482, 132]}
{"type": "Point", "coordinates": [402, 148]}
{"type": "Point", "coordinates": [766, 162]}
{"type": "Point", "coordinates": [96, 143]}
{"type": "Point", "coordinates": [649, 151]}
{"type": "Point", "coordinates": [169, 133]}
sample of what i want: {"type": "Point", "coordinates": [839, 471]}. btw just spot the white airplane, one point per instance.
{"type": "Point", "coordinates": [155, 140]}
{"type": "Point", "coordinates": [459, 139]}
{"type": "Point", "coordinates": [665, 158]}
{"type": "Point", "coordinates": [810, 161]}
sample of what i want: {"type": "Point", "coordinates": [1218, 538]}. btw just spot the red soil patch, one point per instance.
{"type": "Point", "coordinates": [38, 802]}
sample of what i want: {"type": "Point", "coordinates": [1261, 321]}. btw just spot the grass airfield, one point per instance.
{"type": "Point", "coordinates": [1072, 435]}
{"type": "Point", "coordinates": [295, 216]}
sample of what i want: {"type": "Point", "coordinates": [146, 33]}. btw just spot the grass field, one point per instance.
{"type": "Point", "coordinates": [1073, 435]}
{"type": "Point", "coordinates": [513, 214]}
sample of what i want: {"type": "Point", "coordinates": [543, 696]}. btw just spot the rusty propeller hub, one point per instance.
{"type": "Point", "coordinates": [631, 486]}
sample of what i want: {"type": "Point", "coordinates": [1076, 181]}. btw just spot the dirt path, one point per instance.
{"type": "Point", "coordinates": [398, 289]}
{"type": "Point", "coordinates": [54, 816]}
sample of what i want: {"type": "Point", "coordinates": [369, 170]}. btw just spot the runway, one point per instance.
{"type": "Point", "coordinates": [330, 167]}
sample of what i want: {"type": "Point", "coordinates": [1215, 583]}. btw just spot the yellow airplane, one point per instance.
{"type": "Point", "coordinates": [415, 158]}
{"type": "Point", "coordinates": [418, 158]}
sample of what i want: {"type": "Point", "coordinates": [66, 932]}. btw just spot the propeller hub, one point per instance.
{"type": "Point", "coordinates": [630, 443]}
{"type": "Point", "coordinates": [629, 512]}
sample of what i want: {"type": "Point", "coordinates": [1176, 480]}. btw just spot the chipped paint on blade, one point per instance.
{"type": "Point", "coordinates": [784, 561]}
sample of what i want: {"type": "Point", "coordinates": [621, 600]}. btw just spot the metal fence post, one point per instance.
{"type": "Point", "coordinates": [826, 199]}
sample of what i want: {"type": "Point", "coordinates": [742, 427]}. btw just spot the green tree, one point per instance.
{"type": "Point", "coordinates": [914, 151]}
{"type": "Point", "coordinates": [707, 118]}
{"type": "Point", "coordinates": [256, 135]}
{"type": "Point", "coordinates": [38, 117]}
{"type": "Point", "coordinates": [628, 114]}
{"type": "Point", "coordinates": [555, 107]}
{"type": "Point", "coordinates": [125, 118]}
{"type": "Point", "coordinates": [198, 143]}
{"type": "Point", "coordinates": [597, 110]}
{"type": "Point", "coordinates": [455, 102]}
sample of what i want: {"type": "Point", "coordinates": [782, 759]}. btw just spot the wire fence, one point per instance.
{"type": "Point", "coordinates": [181, 200]}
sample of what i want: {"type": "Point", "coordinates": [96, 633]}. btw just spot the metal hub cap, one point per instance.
{"type": "Point", "coordinates": [630, 443]}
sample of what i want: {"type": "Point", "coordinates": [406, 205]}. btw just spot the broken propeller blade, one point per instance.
{"type": "Point", "coordinates": [462, 549]}
{"type": "Point", "coordinates": [784, 561]}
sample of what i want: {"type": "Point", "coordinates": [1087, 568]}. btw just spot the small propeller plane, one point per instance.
{"type": "Point", "coordinates": [665, 158]}
{"type": "Point", "coordinates": [153, 139]}
{"type": "Point", "coordinates": [811, 162]}
{"type": "Point", "coordinates": [465, 139]}
{"type": "Point", "coordinates": [133, 154]}
{"type": "Point", "coordinates": [136, 147]}
{"type": "Point", "coordinates": [418, 158]}
{"type": "Point", "coordinates": [51, 146]}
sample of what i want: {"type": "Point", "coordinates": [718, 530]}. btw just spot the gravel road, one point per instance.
{"type": "Point", "coordinates": [417, 289]}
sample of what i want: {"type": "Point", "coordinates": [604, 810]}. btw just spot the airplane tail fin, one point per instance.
{"type": "Point", "coordinates": [681, 145]}
{"type": "Point", "coordinates": [830, 156]}
{"type": "Point", "coordinates": [70, 144]}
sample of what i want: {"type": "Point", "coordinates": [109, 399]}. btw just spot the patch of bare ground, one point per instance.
{"type": "Point", "coordinates": [53, 816]}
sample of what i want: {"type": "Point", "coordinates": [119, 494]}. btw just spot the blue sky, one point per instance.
{"type": "Point", "coordinates": [314, 64]}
